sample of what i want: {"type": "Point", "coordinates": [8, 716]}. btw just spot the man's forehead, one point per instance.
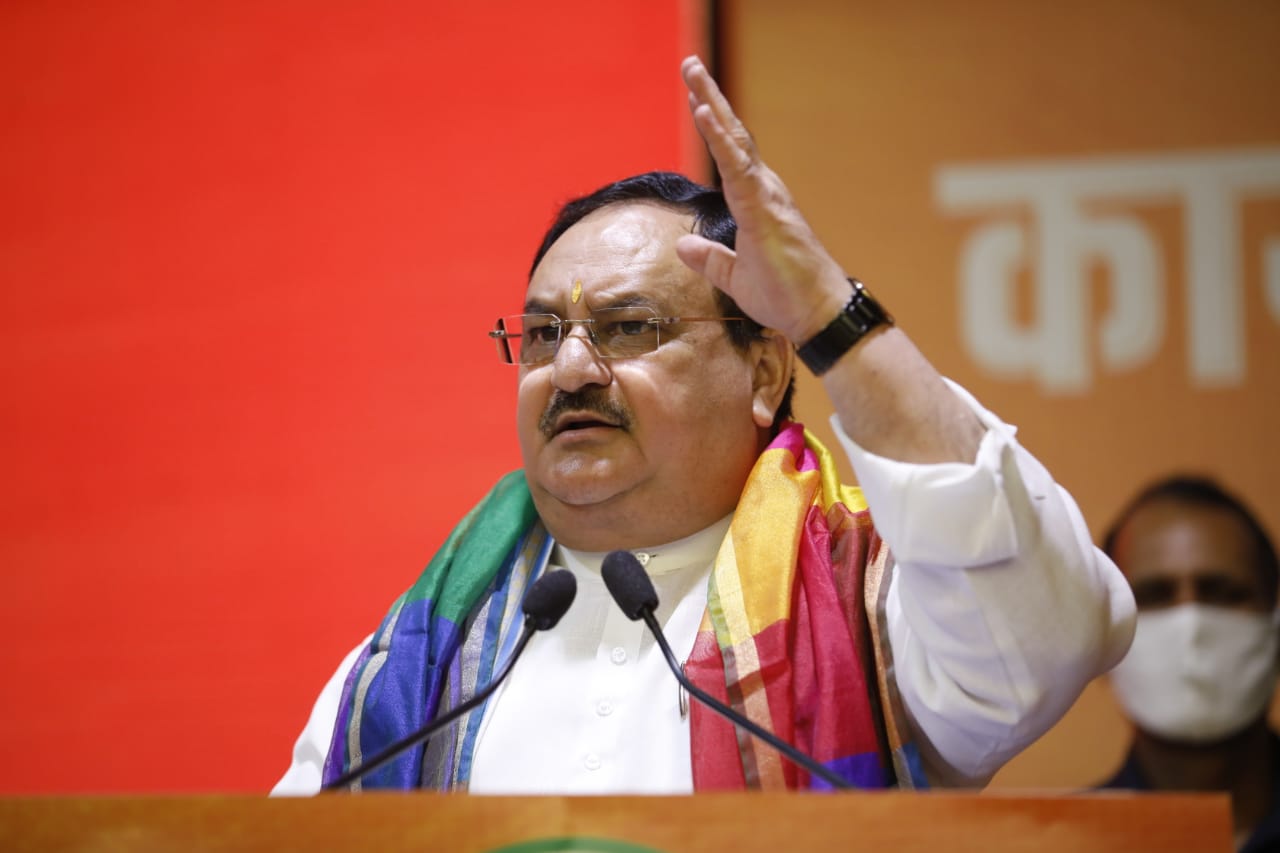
{"type": "Point", "coordinates": [1180, 538]}
{"type": "Point", "coordinates": [564, 298]}
{"type": "Point", "coordinates": [618, 255]}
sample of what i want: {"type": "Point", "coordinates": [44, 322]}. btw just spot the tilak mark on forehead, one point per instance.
{"type": "Point", "coordinates": [577, 292]}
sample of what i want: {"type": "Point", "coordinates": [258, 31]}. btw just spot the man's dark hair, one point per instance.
{"type": "Point", "coordinates": [1198, 491]}
{"type": "Point", "coordinates": [711, 219]}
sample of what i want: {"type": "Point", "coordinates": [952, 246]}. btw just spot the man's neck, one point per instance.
{"type": "Point", "coordinates": [1242, 766]}
{"type": "Point", "coordinates": [696, 550]}
{"type": "Point", "coordinates": [620, 525]}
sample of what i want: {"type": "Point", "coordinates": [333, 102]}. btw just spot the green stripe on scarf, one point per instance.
{"type": "Point", "coordinates": [397, 683]}
{"type": "Point", "coordinates": [476, 549]}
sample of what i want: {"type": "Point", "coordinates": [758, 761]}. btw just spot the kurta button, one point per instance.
{"type": "Point", "coordinates": [591, 762]}
{"type": "Point", "coordinates": [604, 708]}
{"type": "Point", "coordinates": [618, 655]}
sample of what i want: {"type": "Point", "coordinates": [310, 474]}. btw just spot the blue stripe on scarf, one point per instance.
{"type": "Point", "coordinates": [405, 692]}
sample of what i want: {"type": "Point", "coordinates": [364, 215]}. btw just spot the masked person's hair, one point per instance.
{"type": "Point", "coordinates": [1198, 491]}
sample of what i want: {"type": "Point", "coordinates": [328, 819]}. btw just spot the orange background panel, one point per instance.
{"type": "Point", "coordinates": [860, 105]}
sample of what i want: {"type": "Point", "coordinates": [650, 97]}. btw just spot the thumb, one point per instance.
{"type": "Point", "coordinates": [707, 258]}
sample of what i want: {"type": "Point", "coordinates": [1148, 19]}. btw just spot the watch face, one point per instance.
{"type": "Point", "coordinates": [867, 312]}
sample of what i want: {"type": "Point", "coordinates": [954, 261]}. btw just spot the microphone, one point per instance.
{"type": "Point", "coordinates": [545, 602]}
{"type": "Point", "coordinates": [633, 591]}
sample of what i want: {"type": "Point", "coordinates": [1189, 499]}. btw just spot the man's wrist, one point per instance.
{"type": "Point", "coordinates": [861, 314]}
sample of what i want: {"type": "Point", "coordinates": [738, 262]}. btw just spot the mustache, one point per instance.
{"type": "Point", "coordinates": [593, 400]}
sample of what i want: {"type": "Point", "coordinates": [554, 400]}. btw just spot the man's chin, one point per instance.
{"type": "Point", "coordinates": [579, 486]}
{"type": "Point", "coordinates": [582, 495]}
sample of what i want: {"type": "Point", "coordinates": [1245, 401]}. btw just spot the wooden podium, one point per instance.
{"type": "Point", "coordinates": [931, 822]}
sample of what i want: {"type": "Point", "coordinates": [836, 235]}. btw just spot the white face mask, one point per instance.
{"type": "Point", "coordinates": [1197, 673]}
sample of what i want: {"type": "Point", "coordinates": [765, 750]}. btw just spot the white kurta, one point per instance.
{"type": "Point", "coordinates": [999, 612]}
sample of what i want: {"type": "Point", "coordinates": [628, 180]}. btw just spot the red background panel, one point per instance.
{"type": "Point", "coordinates": [248, 254]}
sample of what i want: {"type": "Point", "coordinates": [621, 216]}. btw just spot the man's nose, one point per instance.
{"type": "Point", "coordinates": [578, 362]}
{"type": "Point", "coordinates": [1185, 591]}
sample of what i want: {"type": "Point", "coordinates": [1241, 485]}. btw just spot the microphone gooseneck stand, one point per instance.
{"type": "Point", "coordinates": [631, 588]}
{"type": "Point", "coordinates": [545, 602]}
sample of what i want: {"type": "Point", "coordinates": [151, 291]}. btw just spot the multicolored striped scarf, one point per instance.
{"type": "Point", "coordinates": [786, 638]}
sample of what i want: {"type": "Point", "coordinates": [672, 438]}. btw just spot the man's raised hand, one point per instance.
{"type": "Point", "coordinates": [780, 274]}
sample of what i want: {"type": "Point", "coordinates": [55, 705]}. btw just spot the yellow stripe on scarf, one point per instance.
{"type": "Point", "coordinates": [756, 565]}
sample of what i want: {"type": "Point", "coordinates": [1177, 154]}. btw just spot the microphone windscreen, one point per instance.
{"type": "Point", "coordinates": [549, 599]}
{"type": "Point", "coordinates": [628, 583]}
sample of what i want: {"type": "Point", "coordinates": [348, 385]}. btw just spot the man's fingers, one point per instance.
{"type": "Point", "coordinates": [729, 156]}
{"type": "Point", "coordinates": [707, 258]}
{"type": "Point", "coordinates": [703, 92]}
{"type": "Point", "coordinates": [701, 84]}
{"type": "Point", "coordinates": [698, 79]}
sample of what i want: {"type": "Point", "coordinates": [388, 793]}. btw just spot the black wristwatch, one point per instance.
{"type": "Point", "coordinates": [862, 314]}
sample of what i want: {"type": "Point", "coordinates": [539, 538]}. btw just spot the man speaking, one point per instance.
{"type": "Point", "coordinates": [654, 357]}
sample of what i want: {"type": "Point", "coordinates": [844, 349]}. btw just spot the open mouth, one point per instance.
{"type": "Point", "coordinates": [580, 422]}
{"type": "Point", "coordinates": [582, 412]}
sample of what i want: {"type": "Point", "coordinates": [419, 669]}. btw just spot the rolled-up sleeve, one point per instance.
{"type": "Point", "coordinates": [1000, 609]}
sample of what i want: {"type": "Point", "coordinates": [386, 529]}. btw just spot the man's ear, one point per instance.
{"type": "Point", "coordinates": [774, 362]}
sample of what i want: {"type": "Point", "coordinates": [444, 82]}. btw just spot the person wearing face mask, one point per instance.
{"type": "Point", "coordinates": [1198, 680]}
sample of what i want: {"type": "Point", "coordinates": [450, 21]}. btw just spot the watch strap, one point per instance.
{"type": "Point", "coordinates": [861, 314]}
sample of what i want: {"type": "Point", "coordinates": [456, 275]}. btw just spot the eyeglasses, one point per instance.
{"type": "Point", "coordinates": [614, 332]}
